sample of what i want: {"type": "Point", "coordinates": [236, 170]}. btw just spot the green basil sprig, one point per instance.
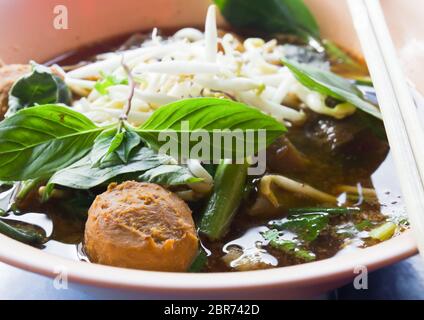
{"type": "Point", "coordinates": [39, 141]}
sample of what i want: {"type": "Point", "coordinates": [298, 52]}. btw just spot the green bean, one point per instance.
{"type": "Point", "coordinates": [199, 262]}
{"type": "Point", "coordinates": [336, 210]}
{"type": "Point", "coordinates": [229, 184]}
{"type": "Point", "coordinates": [26, 187]}
{"type": "Point", "coordinates": [26, 236]}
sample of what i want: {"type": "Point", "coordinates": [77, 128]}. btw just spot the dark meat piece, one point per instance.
{"type": "Point", "coordinates": [283, 157]}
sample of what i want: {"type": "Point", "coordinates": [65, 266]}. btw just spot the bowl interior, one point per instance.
{"type": "Point", "coordinates": [91, 21]}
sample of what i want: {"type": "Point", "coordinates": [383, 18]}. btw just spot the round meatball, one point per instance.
{"type": "Point", "coordinates": [141, 226]}
{"type": "Point", "coordinates": [8, 75]}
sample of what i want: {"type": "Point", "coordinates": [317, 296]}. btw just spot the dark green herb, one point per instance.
{"type": "Point", "coordinates": [307, 226]}
{"type": "Point", "coordinates": [271, 16]}
{"type": "Point", "coordinates": [209, 114]}
{"type": "Point", "coordinates": [36, 142]}
{"type": "Point", "coordinates": [143, 165]}
{"type": "Point", "coordinates": [287, 246]}
{"type": "Point", "coordinates": [364, 225]}
{"type": "Point", "coordinates": [37, 88]}
{"type": "Point", "coordinates": [39, 141]}
{"type": "Point", "coordinates": [330, 84]}
{"type": "Point", "coordinates": [111, 147]}
{"type": "Point", "coordinates": [169, 175]}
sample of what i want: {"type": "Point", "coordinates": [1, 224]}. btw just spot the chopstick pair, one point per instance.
{"type": "Point", "coordinates": [401, 119]}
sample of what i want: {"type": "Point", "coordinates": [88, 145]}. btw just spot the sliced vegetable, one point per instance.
{"type": "Point", "coordinates": [330, 84]}
{"type": "Point", "coordinates": [199, 262]}
{"type": "Point", "coordinates": [383, 232]}
{"type": "Point", "coordinates": [37, 88]}
{"type": "Point", "coordinates": [229, 184]}
{"type": "Point", "coordinates": [21, 234]}
{"type": "Point", "coordinates": [271, 16]}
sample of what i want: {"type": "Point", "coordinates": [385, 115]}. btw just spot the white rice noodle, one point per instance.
{"type": "Point", "coordinates": [187, 65]}
{"type": "Point", "coordinates": [276, 110]}
{"type": "Point", "coordinates": [178, 67]}
{"type": "Point", "coordinates": [211, 35]}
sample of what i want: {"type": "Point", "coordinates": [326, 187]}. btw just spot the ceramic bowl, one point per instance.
{"type": "Point", "coordinates": [27, 32]}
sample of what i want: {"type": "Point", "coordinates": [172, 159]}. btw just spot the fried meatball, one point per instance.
{"type": "Point", "coordinates": [8, 75]}
{"type": "Point", "coordinates": [140, 226]}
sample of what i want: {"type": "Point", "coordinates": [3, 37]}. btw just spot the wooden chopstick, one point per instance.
{"type": "Point", "coordinates": [403, 127]}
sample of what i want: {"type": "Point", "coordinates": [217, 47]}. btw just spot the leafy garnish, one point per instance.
{"type": "Point", "coordinates": [111, 147]}
{"type": "Point", "coordinates": [330, 84]}
{"type": "Point", "coordinates": [210, 114]}
{"type": "Point", "coordinates": [271, 16]}
{"type": "Point", "coordinates": [169, 175]}
{"type": "Point", "coordinates": [108, 80]}
{"type": "Point", "coordinates": [81, 175]}
{"type": "Point", "coordinates": [307, 226]}
{"type": "Point", "coordinates": [36, 142]}
{"type": "Point", "coordinates": [290, 247]}
{"type": "Point", "coordinates": [364, 225]}
{"type": "Point", "coordinates": [37, 88]}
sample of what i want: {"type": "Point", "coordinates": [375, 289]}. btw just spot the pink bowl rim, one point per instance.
{"type": "Point", "coordinates": [336, 268]}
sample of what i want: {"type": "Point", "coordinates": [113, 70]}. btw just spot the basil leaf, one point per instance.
{"type": "Point", "coordinates": [271, 16]}
{"type": "Point", "coordinates": [111, 147]}
{"type": "Point", "coordinates": [169, 175]}
{"type": "Point", "coordinates": [127, 141]}
{"type": "Point", "coordinates": [81, 175]}
{"type": "Point", "coordinates": [37, 88]}
{"type": "Point", "coordinates": [308, 226]}
{"type": "Point", "coordinates": [37, 141]}
{"type": "Point", "coordinates": [210, 114]}
{"type": "Point", "coordinates": [330, 84]}
{"type": "Point", "coordinates": [108, 80]}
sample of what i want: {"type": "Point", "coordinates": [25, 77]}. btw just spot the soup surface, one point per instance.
{"type": "Point", "coordinates": [348, 158]}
